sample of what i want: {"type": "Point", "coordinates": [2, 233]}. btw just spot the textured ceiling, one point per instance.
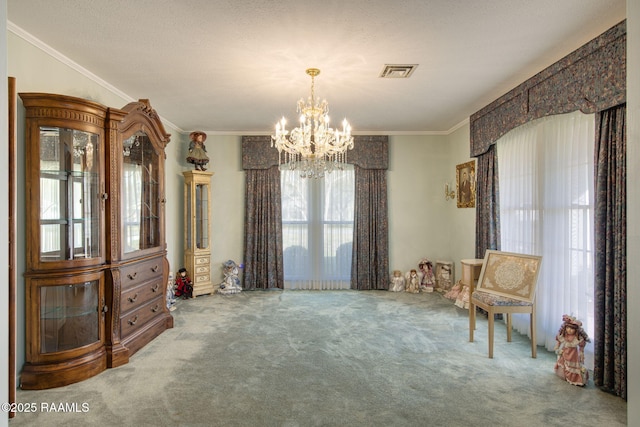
{"type": "Point", "coordinates": [237, 66]}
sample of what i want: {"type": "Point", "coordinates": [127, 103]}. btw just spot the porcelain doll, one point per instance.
{"type": "Point", "coordinates": [413, 282]}
{"type": "Point", "coordinates": [231, 283]}
{"type": "Point", "coordinates": [427, 278]}
{"type": "Point", "coordinates": [462, 300]}
{"type": "Point", "coordinates": [453, 293]}
{"type": "Point", "coordinates": [444, 280]}
{"type": "Point", "coordinates": [397, 282]}
{"type": "Point", "coordinates": [197, 150]}
{"type": "Point", "coordinates": [570, 343]}
{"type": "Point", "coordinates": [171, 294]}
{"type": "Point", "coordinates": [184, 286]}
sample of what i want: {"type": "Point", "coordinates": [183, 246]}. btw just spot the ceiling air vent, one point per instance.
{"type": "Point", "coordinates": [398, 71]}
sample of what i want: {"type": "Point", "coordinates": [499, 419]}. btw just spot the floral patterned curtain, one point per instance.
{"type": "Point", "coordinates": [263, 230]}
{"type": "Point", "coordinates": [610, 351]}
{"type": "Point", "coordinates": [370, 261]}
{"type": "Point", "coordinates": [487, 203]}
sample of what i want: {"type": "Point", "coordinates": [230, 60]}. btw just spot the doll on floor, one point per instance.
{"type": "Point", "coordinates": [184, 286]}
{"type": "Point", "coordinates": [427, 278]}
{"type": "Point", "coordinates": [570, 343]}
{"type": "Point", "coordinates": [462, 300]}
{"type": "Point", "coordinates": [455, 290]}
{"type": "Point", "coordinates": [231, 284]}
{"type": "Point", "coordinates": [413, 282]}
{"type": "Point", "coordinates": [397, 282]}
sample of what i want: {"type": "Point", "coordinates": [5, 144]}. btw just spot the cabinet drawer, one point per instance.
{"type": "Point", "coordinates": [134, 297]}
{"type": "Point", "coordinates": [201, 278]}
{"type": "Point", "coordinates": [202, 269]}
{"type": "Point", "coordinates": [201, 260]}
{"type": "Point", "coordinates": [137, 318]}
{"type": "Point", "coordinates": [140, 272]}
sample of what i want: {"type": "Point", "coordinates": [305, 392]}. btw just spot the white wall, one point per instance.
{"type": "Point", "coordinates": [227, 194]}
{"type": "Point", "coordinates": [418, 212]}
{"type": "Point", "coordinates": [463, 233]}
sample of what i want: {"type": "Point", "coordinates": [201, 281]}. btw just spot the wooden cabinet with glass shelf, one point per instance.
{"type": "Point", "coordinates": [76, 178]}
{"type": "Point", "coordinates": [197, 229]}
{"type": "Point", "coordinates": [65, 239]}
{"type": "Point", "coordinates": [139, 270]}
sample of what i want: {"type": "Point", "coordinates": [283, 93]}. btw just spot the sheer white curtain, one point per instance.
{"type": "Point", "coordinates": [317, 229]}
{"type": "Point", "coordinates": [546, 208]}
{"type": "Point", "coordinates": [132, 205]}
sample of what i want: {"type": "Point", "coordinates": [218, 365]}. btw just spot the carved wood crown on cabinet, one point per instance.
{"type": "Point", "coordinates": [96, 268]}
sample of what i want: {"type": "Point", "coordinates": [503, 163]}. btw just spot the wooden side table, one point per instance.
{"type": "Point", "coordinates": [471, 269]}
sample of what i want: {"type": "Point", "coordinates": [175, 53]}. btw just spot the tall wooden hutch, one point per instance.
{"type": "Point", "coordinates": [96, 267]}
{"type": "Point", "coordinates": [197, 230]}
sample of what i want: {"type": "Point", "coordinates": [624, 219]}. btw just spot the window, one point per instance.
{"type": "Point", "coordinates": [546, 208]}
{"type": "Point", "coordinates": [317, 229]}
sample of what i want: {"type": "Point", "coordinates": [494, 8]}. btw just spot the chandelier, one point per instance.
{"type": "Point", "coordinates": [313, 148]}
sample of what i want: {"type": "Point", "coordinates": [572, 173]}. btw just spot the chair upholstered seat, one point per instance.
{"type": "Point", "coordinates": [493, 299]}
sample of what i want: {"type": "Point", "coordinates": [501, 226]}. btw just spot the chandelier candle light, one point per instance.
{"type": "Point", "coordinates": [313, 148]}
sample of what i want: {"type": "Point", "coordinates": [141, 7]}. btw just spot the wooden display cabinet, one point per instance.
{"type": "Point", "coordinates": [96, 263]}
{"type": "Point", "coordinates": [65, 232]}
{"type": "Point", "coordinates": [197, 229]}
{"type": "Point", "coordinates": [138, 270]}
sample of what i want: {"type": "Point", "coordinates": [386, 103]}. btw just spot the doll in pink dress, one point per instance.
{"type": "Point", "coordinates": [427, 278]}
{"type": "Point", "coordinates": [570, 343]}
{"type": "Point", "coordinates": [453, 293]}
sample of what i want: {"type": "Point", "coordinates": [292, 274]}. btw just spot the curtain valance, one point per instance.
{"type": "Point", "coordinates": [590, 79]}
{"type": "Point", "coordinates": [369, 152]}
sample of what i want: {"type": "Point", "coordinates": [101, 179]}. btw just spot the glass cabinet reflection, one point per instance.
{"type": "Point", "coordinates": [69, 316]}
{"type": "Point", "coordinates": [140, 194]}
{"type": "Point", "coordinates": [70, 214]}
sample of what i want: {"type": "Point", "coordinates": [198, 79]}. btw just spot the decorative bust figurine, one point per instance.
{"type": "Point", "coordinates": [197, 150]}
{"type": "Point", "coordinates": [570, 343]}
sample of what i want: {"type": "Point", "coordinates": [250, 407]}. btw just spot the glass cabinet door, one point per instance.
{"type": "Point", "coordinates": [70, 212]}
{"type": "Point", "coordinates": [140, 194]}
{"type": "Point", "coordinates": [69, 316]}
{"type": "Point", "coordinates": [202, 216]}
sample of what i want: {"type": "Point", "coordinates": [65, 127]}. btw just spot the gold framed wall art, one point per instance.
{"type": "Point", "coordinates": [466, 184]}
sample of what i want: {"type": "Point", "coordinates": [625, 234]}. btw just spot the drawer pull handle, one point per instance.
{"type": "Point", "coordinates": [134, 298]}
{"type": "Point", "coordinates": [156, 308]}
{"type": "Point", "coordinates": [133, 321]}
{"type": "Point", "coordinates": [155, 268]}
{"type": "Point", "coordinates": [132, 275]}
{"type": "Point", "coordinates": [155, 288]}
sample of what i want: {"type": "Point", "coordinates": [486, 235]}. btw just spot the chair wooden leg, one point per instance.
{"type": "Point", "coordinates": [534, 347]}
{"type": "Point", "coordinates": [472, 320]}
{"type": "Point", "coordinates": [491, 323]}
{"type": "Point", "coordinates": [509, 327]}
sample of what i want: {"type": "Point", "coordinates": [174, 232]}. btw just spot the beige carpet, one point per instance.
{"type": "Point", "coordinates": [328, 358]}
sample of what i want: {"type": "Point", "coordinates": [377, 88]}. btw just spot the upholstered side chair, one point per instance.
{"type": "Point", "coordinates": [507, 285]}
